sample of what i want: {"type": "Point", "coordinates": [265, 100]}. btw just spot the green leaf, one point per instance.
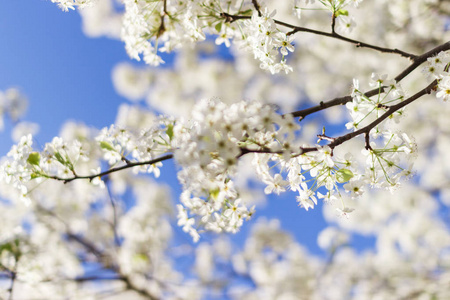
{"type": "Point", "coordinates": [34, 158]}
{"type": "Point", "coordinates": [106, 146]}
{"type": "Point", "coordinates": [344, 175]}
{"type": "Point", "coordinates": [214, 193]}
{"type": "Point", "coordinates": [341, 12]}
{"type": "Point", "coordinates": [169, 131]}
{"type": "Point", "coordinates": [218, 26]}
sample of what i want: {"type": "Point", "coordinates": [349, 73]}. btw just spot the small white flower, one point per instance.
{"type": "Point", "coordinates": [325, 155]}
{"type": "Point", "coordinates": [355, 187]}
{"type": "Point", "coordinates": [276, 184]}
{"type": "Point", "coordinates": [345, 24]}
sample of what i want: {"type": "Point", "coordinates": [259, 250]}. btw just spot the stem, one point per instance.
{"type": "Point", "coordinates": [114, 223]}
{"type": "Point", "coordinates": [257, 7]}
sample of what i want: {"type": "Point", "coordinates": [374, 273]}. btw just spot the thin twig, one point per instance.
{"type": "Point", "coordinates": [162, 27]}
{"type": "Point", "coordinates": [113, 206]}
{"type": "Point", "coordinates": [13, 280]}
{"type": "Point", "coordinates": [257, 7]}
{"type": "Point", "coordinates": [333, 24]}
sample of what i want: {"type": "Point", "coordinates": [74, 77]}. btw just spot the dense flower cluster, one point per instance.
{"type": "Point", "coordinates": [208, 147]}
{"type": "Point", "coordinates": [267, 42]}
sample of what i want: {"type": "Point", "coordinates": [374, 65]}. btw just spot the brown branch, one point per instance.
{"type": "Point", "coordinates": [421, 59]}
{"type": "Point", "coordinates": [231, 18]}
{"type": "Point", "coordinates": [162, 27]}
{"type": "Point", "coordinates": [112, 170]}
{"type": "Point", "coordinates": [333, 24]}
{"type": "Point", "coordinates": [264, 150]}
{"type": "Point", "coordinates": [367, 141]}
{"type": "Point", "coordinates": [257, 7]}
{"type": "Point", "coordinates": [366, 130]}
{"type": "Point", "coordinates": [334, 102]}
{"type": "Point", "coordinates": [343, 100]}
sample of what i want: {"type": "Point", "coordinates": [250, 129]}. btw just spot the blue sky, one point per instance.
{"type": "Point", "coordinates": [67, 76]}
{"type": "Point", "coordinates": [64, 74]}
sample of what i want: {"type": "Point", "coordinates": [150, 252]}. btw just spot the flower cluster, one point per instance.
{"type": "Point", "coordinates": [57, 160]}
{"type": "Point", "coordinates": [364, 110]}
{"type": "Point", "coordinates": [208, 147]}
{"type": "Point", "coordinates": [147, 26]}
{"type": "Point", "coordinates": [267, 42]}
{"type": "Point", "coordinates": [389, 162]}
{"type": "Point", "coordinates": [309, 168]}
{"type": "Point", "coordinates": [383, 161]}
{"type": "Point", "coordinates": [120, 144]}
{"type": "Point", "coordinates": [65, 5]}
{"type": "Point", "coordinates": [306, 174]}
{"type": "Point", "coordinates": [15, 170]}
{"type": "Point", "coordinates": [437, 67]}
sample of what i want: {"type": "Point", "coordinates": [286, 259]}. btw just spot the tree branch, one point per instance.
{"type": "Point", "coordinates": [343, 100]}
{"type": "Point", "coordinates": [231, 18]}
{"type": "Point", "coordinates": [112, 170]}
{"type": "Point", "coordinates": [257, 7]}
{"type": "Point", "coordinates": [366, 130]}
{"type": "Point", "coordinates": [114, 209]}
